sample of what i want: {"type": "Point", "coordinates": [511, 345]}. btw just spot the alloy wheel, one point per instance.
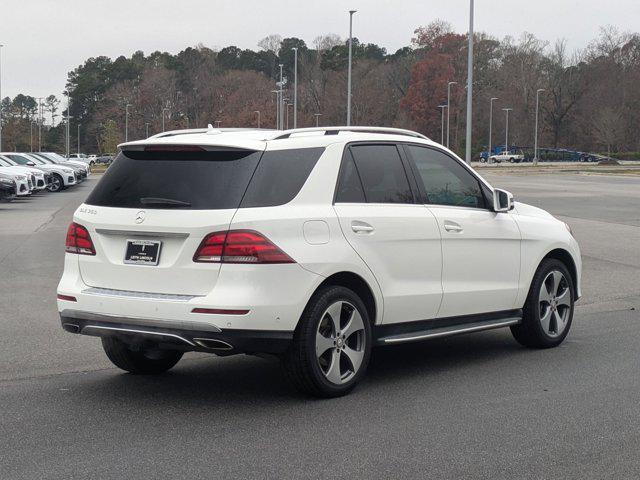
{"type": "Point", "coordinates": [555, 303]}
{"type": "Point", "coordinates": [56, 184]}
{"type": "Point", "coordinates": [340, 342]}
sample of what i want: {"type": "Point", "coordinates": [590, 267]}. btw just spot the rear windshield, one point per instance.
{"type": "Point", "coordinates": [176, 180]}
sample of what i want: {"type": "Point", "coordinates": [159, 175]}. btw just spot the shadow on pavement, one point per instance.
{"type": "Point", "coordinates": [248, 379]}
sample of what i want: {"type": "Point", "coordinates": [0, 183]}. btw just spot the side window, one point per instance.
{"type": "Point", "coordinates": [279, 176]}
{"type": "Point", "coordinates": [382, 174]}
{"type": "Point", "coordinates": [349, 188]}
{"type": "Point", "coordinates": [445, 181]}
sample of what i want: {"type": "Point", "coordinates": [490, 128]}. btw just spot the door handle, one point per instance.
{"type": "Point", "coordinates": [452, 227]}
{"type": "Point", "coordinates": [361, 227]}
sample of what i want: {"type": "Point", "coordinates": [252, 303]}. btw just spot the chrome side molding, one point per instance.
{"type": "Point", "coordinates": [449, 331]}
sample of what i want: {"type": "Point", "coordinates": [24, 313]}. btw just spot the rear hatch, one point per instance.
{"type": "Point", "coordinates": [150, 211]}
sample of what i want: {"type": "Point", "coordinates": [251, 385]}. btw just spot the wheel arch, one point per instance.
{"type": "Point", "coordinates": [566, 258]}
{"type": "Point", "coordinates": [360, 287]}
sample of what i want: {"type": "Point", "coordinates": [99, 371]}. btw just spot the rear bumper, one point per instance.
{"type": "Point", "coordinates": [176, 335]}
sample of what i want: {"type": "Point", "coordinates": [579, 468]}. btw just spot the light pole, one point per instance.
{"type": "Point", "coordinates": [469, 86]}
{"type": "Point", "coordinates": [31, 134]}
{"type": "Point", "coordinates": [351, 12]}
{"type": "Point", "coordinates": [126, 122]}
{"type": "Point", "coordinates": [317, 115]}
{"type": "Point", "coordinates": [535, 141]}
{"type": "Point", "coordinates": [39, 123]}
{"type": "Point", "coordinates": [146, 126]}
{"type": "Point", "coordinates": [442, 109]}
{"type": "Point", "coordinates": [258, 112]}
{"type": "Point", "coordinates": [449, 108]}
{"type": "Point", "coordinates": [288, 105]}
{"type": "Point", "coordinates": [295, 87]}
{"type": "Point", "coordinates": [281, 100]}
{"type": "Point", "coordinates": [506, 134]}
{"type": "Point", "coordinates": [163, 110]}
{"type": "Point", "coordinates": [68, 134]}
{"type": "Point", "coordinates": [277, 92]}
{"type": "Point", "coordinates": [78, 141]}
{"type": "Point", "coordinates": [1, 96]}
{"type": "Point", "coordinates": [493, 99]}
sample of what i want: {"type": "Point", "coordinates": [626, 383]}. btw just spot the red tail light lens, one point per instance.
{"type": "Point", "coordinates": [79, 241]}
{"type": "Point", "coordinates": [66, 298]}
{"type": "Point", "coordinates": [239, 246]}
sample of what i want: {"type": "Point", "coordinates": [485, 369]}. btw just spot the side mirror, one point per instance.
{"type": "Point", "coordinates": [502, 200]}
{"type": "Point", "coordinates": [31, 164]}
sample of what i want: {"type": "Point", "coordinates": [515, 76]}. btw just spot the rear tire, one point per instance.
{"type": "Point", "coordinates": [332, 344]}
{"type": "Point", "coordinates": [548, 311]}
{"type": "Point", "coordinates": [142, 361]}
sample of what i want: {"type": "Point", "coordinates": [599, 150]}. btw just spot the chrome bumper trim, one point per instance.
{"type": "Point", "coordinates": [140, 332]}
{"type": "Point", "coordinates": [137, 321]}
{"type": "Point", "coordinates": [140, 233]}
{"type": "Point", "coordinates": [109, 292]}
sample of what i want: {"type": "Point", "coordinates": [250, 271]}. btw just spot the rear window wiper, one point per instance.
{"type": "Point", "coordinates": [164, 201]}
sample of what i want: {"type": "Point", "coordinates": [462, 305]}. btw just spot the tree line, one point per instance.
{"type": "Point", "coordinates": [591, 99]}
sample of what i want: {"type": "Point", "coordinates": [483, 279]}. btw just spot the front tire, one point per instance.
{"type": "Point", "coordinates": [141, 361]}
{"type": "Point", "coordinates": [548, 311]}
{"type": "Point", "coordinates": [332, 344]}
{"type": "Point", "coordinates": [57, 184]}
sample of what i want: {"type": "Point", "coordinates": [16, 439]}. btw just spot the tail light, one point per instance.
{"type": "Point", "coordinates": [239, 246]}
{"type": "Point", "coordinates": [79, 241]}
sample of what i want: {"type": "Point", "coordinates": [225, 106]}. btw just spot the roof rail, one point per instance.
{"type": "Point", "coordinates": [335, 130]}
{"type": "Point", "coordinates": [172, 133]}
{"type": "Point", "coordinates": [209, 129]}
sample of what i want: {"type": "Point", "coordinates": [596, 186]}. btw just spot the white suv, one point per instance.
{"type": "Point", "coordinates": [311, 244]}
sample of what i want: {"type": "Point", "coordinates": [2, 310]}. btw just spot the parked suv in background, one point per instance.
{"type": "Point", "coordinates": [25, 176]}
{"type": "Point", "coordinates": [8, 187]}
{"type": "Point", "coordinates": [72, 161]}
{"type": "Point", "coordinates": [80, 169]}
{"type": "Point", "coordinates": [311, 244]}
{"type": "Point", "coordinates": [61, 175]}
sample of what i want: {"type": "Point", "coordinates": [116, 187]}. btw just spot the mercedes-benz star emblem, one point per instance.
{"type": "Point", "coordinates": [140, 216]}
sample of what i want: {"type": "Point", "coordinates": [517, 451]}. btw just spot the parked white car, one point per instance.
{"type": "Point", "coordinates": [62, 176]}
{"type": "Point", "coordinates": [74, 162]}
{"type": "Point", "coordinates": [311, 244]}
{"type": "Point", "coordinates": [24, 183]}
{"type": "Point", "coordinates": [8, 187]}
{"type": "Point", "coordinates": [33, 176]}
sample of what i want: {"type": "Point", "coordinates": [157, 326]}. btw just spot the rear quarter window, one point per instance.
{"type": "Point", "coordinates": [280, 176]}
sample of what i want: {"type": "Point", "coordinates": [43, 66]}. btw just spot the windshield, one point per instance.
{"type": "Point", "coordinates": [54, 157]}
{"type": "Point", "coordinates": [188, 180]}
{"type": "Point", "coordinates": [17, 159]}
{"type": "Point", "coordinates": [41, 158]}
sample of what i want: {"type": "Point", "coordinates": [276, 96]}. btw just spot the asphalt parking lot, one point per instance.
{"type": "Point", "coordinates": [476, 406]}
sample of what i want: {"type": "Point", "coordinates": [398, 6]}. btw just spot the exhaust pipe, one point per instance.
{"type": "Point", "coordinates": [213, 344]}
{"type": "Point", "coordinates": [71, 328]}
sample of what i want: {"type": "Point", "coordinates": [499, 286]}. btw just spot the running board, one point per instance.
{"type": "Point", "coordinates": [447, 331]}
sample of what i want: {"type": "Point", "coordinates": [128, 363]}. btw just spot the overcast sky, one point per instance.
{"type": "Point", "coordinates": [45, 39]}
